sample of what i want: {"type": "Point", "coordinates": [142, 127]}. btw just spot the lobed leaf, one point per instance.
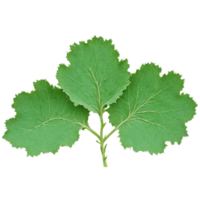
{"type": "Point", "coordinates": [152, 110]}
{"type": "Point", "coordinates": [46, 119]}
{"type": "Point", "coordinates": [95, 77]}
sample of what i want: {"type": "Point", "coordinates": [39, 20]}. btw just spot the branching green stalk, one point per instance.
{"type": "Point", "coordinates": [102, 138]}
{"type": "Point", "coordinates": [102, 147]}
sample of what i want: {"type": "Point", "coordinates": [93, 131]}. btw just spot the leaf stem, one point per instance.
{"type": "Point", "coordinates": [92, 131]}
{"type": "Point", "coordinates": [100, 137]}
{"type": "Point", "coordinates": [102, 147]}
{"type": "Point", "coordinates": [107, 136]}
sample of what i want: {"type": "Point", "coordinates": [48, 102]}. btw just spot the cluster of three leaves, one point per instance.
{"type": "Point", "coordinates": [146, 109]}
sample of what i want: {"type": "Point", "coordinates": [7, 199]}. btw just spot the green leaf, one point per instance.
{"type": "Point", "coordinates": [46, 119]}
{"type": "Point", "coordinates": [152, 111]}
{"type": "Point", "coordinates": [95, 77]}
{"type": "Point", "coordinates": [147, 109]}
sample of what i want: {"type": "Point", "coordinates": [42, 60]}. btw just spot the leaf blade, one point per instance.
{"type": "Point", "coordinates": [95, 76]}
{"type": "Point", "coordinates": [152, 110]}
{"type": "Point", "coordinates": [46, 119]}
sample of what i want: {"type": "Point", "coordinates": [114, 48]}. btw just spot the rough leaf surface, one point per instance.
{"type": "Point", "coordinates": [46, 119]}
{"type": "Point", "coordinates": [152, 110]}
{"type": "Point", "coordinates": [95, 76]}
